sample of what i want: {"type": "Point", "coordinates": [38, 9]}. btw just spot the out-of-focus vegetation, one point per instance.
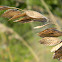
{"type": "Point", "coordinates": [19, 42]}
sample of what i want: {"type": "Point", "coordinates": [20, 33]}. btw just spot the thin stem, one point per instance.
{"type": "Point", "coordinates": [53, 20]}
{"type": "Point", "coordinates": [22, 40]}
{"type": "Point", "coordinates": [26, 44]}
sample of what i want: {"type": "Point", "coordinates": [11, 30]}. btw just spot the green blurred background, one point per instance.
{"type": "Point", "coordinates": [19, 42]}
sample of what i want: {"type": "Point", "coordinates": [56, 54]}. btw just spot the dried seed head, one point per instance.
{"type": "Point", "coordinates": [57, 55]}
{"type": "Point", "coordinates": [4, 7]}
{"type": "Point", "coordinates": [18, 16]}
{"type": "Point", "coordinates": [50, 32]}
{"type": "Point", "coordinates": [57, 52]}
{"type": "Point", "coordinates": [50, 41]}
{"type": "Point", "coordinates": [36, 16]}
{"type": "Point", "coordinates": [10, 13]}
{"type": "Point", "coordinates": [60, 59]}
{"type": "Point", "coordinates": [23, 20]}
{"type": "Point", "coordinates": [56, 47]}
